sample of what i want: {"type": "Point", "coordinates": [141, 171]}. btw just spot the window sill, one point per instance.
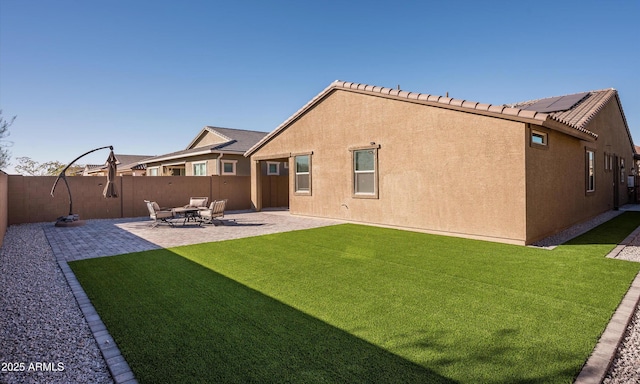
{"type": "Point", "coordinates": [365, 196]}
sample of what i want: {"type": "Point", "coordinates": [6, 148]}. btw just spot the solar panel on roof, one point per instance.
{"type": "Point", "coordinates": [556, 104]}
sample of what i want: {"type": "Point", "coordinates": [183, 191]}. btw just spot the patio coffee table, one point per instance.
{"type": "Point", "coordinates": [189, 214]}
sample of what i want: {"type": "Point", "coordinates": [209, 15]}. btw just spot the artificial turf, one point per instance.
{"type": "Point", "coordinates": [353, 303]}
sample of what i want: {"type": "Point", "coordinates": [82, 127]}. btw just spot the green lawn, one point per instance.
{"type": "Point", "coordinates": [352, 303]}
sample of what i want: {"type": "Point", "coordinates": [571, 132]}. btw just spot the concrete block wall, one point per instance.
{"type": "Point", "coordinates": [4, 203]}
{"type": "Point", "coordinates": [29, 199]}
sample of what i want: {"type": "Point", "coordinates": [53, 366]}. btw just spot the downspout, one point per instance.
{"type": "Point", "coordinates": [218, 169]}
{"type": "Point", "coordinates": [218, 173]}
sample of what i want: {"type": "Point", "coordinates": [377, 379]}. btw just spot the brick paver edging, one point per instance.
{"type": "Point", "coordinates": [596, 367]}
{"type": "Point", "coordinates": [118, 367]}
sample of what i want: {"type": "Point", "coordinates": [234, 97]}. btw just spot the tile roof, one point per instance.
{"type": "Point", "coordinates": [579, 115]}
{"type": "Point", "coordinates": [572, 121]}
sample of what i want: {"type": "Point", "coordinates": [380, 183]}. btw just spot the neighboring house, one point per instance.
{"type": "Point", "coordinates": [512, 174]}
{"type": "Point", "coordinates": [214, 151]}
{"type": "Point", "coordinates": [127, 165]}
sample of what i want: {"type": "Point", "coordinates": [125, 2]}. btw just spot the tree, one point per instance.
{"type": "Point", "coordinates": [4, 132]}
{"type": "Point", "coordinates": [30, 167]}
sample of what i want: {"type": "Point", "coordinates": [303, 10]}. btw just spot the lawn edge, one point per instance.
{"type": "Point", "coordinates": [597, 366]}
{"type": "Point", "coordinates": [118, 367]}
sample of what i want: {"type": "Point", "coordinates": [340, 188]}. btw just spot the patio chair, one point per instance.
{"type": "Point", "coordinates": [198, 202]}
{"type": "Point", "coordinates": [158, 215]}
{"type": "Point", "coordinates": [215, 211]}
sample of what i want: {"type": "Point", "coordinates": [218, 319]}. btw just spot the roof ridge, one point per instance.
{"type": "Point", "coordinates": [509, 111]}
{"type": "Point", "coordinates": [235, 129]}
{"type": "Point", "coordinates": [551, 97]}
{"type": "Point", "coordinates": [606, 95]}
{"type": "Point", "coordinates": [462, 103]}
{"type": "Point", "coordinates": [214, 130]}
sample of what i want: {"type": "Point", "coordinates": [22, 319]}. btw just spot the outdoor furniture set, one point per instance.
{"type": "Point", "coordinates": [196, 212]}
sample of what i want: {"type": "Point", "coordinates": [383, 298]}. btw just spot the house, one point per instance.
{"type": "Point", "coordinates": [509, 173]}
{"type": "Point", "coordinates": [128, 165]}
{"type": "Point", "coordinates": [213, 151]}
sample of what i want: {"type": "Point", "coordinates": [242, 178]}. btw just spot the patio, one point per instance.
{"type": "Point", "coordinates": [107, 237]}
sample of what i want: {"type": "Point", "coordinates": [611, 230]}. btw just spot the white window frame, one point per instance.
{"type": "Point", "coordinates": [198, 163]}
{"type": "Point", "coordinates": [234, 165]}
{"type": "Point", "coordinates": [151, 170]}
{"type": "Point", "coordinates": [297, 190]}
{"type": "Point", "coordinates": [374, 172]}
{"type": "Point", "coordinates": [269, 164]}
{"type": "Point", "coordinates": [590, 170]}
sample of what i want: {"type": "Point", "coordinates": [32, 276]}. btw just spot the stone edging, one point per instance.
{"type": "Point", "coordinates": [118, 366]}
{"type": "Point", "coordinates": [596, 367]}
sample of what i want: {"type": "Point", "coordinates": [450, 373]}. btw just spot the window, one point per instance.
{"type": "Point", "coordinates": [591, 171]}
{"type": "Point", "coordinates": [364, 172]}
{"type": "Point", "coordinates": [153, 171]}
{"type": "Point", "coordinates": [200, 169]}
{"type": "Point", "coordinates": [273, 168]}
{"type": "Point", "coordinates": [622, 174]}
{"type": "Point", "coordinates": [538, 138]}
{"type": "Point", "coordinates": [228, 167]}
{"type": "Point", "coordinates": [303, 174]}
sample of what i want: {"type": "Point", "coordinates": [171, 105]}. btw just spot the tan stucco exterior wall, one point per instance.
{"type": "Point", "coordinates": [208, 139]}
{"type": "Point", "coordinates": [556, 179]}
{"type": "Point", "coordinates": [439, 170]}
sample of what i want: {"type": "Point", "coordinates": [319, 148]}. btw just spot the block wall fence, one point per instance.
{"type": "Point", "coordinates": [4, 203]}
{"type": "Point", "coordinates": [27, 199]}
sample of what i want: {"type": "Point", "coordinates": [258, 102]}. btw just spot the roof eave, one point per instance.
{"type": "Point", "coordinates": [560, 127]}
{"type": "Point", "coordinates": [173, 157]}
{"type": "Point", "coordinates": [209, 151]}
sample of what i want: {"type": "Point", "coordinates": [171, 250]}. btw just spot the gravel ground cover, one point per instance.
{"type": "Point", "coordinates": [625, 367]}
{"type": "Point", "coordinates": [44, 337]}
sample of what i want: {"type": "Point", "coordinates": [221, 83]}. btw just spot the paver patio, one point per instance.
{"type": "Point", "coordinates": [108, 237]}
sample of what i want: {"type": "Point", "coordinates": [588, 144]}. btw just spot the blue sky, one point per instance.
{"type": "Point", "coordinates": [146, 76]}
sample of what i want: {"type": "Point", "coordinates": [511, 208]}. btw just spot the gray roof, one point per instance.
{"type": "Point", "coordinates": [238, 142]}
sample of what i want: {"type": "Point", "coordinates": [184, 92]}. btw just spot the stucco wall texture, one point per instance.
{"type": "Point", "coordinates": [446, 171]}
{"type": "Point", "coordinates": [29, 200]}
{"type": "Point", "coordinates": [556, 182]}
{"type": "Point", "coordinates": [4, 202]}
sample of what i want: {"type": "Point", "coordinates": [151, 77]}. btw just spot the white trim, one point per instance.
{"type": "Point", "coordinates": [591, 170]}
{"type": "Point", "coordinates": [269, 164]}
{"type": "Point", "coordinates": [373, 172]}
{"type": "Point", "coordinates": [179, 156]}
{"type": "Point", "coordinates": [174, 163]}
{"type": "Point", "coordinates": [296, 188]}
{"type": "Point", "coordinates": [193, 167]}
{"type": "Point", "coordinates": [150, 169]}
{"type": "Point", "coordinates": [235, 168]}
